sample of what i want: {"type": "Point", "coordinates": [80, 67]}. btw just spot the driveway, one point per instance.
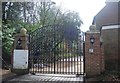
{"type": "Point", "coordinates": [46, 78]}
{"type": "Point", "coordinates": [72, 65]}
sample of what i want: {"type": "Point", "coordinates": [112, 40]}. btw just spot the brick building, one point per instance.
{"type": "Point", "coordinates": [108, 22]}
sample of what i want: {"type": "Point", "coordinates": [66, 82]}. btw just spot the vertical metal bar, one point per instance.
{"type": "Point", "coordinates": [43, 59]}
{"type": "Point", "coordinates": [34, 62]}
{"type": "Point", "coordinates": [42, 62]}
{"type": "Point", "coordinates": [47, 51]}
{"type": "Point", "coordinates": [52, 67]}
{"type": "Point", "coordinates": [54, 48]}
{"type": "Point", "coordinates": [57, 51]}
{"type": "Point", "coordinates": [51, 41]}
{"type": "Point", "coordinates": [80, 52]}
{"type": "Point", "coordinates": [44, 53]}
{"type": "Point", "coordinates": [83, 50]}
{"type": "Point", "coordinates": [29, 55]}
{"type": "Point", "coordinates": [62, 52]}
{"type": "Point", "coordinates": [41, 54]}
{"type": "Point", "coordinates": [83, 57]}
{"type": "Point", "coordinates": [54, 63]}
{"type": "Point", "coordinates": [48, 59]}
{"type": "Point", "coordinates": [67, 58]}
{"type": "Point", "coordinates": [44, 67]}
{"type": "Point", "coordinates": [57, 60]}
{"type": "Point", "coordinates": [38, 64]}
{"type": "Point", "coordinates": [45, 56]}
{"type": "Point", "coordinates": [80, 56]}
{"type": "Point", "coordinates": [63, 55]}
{"type": "Point", "coordinates": [77, 56]}
{"type": "Point", "coordinates": [60, 58]}
{"type": "Point", "coordinates": [33, 59]}
{"type": "Point", "coordinates": [71, 58]}
{"type": "Point", "coordinates": [74, 58]}
{"type": "Point", "coordinates": [48, 63]}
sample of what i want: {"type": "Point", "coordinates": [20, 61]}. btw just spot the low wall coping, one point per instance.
{"type": "Point", "coordinates": [110, 27]}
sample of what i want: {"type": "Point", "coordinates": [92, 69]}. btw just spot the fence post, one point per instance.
{"type": "Point", "coordinates": [20, 53]}
{"type": "Point", "coordinates": [94, 57]}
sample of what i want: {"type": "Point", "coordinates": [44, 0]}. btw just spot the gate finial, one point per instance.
{"type": "Point", "coordinates": [92, 28]}
{"type": "Point", "coordinates": [23, 31]}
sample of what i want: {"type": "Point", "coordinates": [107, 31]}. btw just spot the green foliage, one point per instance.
{"type": "Point", "coordinates": [7, 41]}
{"type": "Point", "coordinates": [32, 16]}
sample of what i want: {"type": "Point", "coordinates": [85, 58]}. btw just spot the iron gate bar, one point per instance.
{"type": "Point", "coordinates": [29, 53]}
{"type": "Point", "coordinates": [60, 57]}
{"type": "Point", "coordinates": [68, 59]}
{"type": "Point", "coordinates": [77, 56]}
{"type": "Point", "coordinates": [63, 56]}
{"type": "Point", "coordinates": [57, 62]}
{"type": "Point", "coordinates": [61, 60]}
{"type": "Point", "coordinates": [48, 59]}
{"type": "Point", "coordinates": [80, 58]}
{"type": "Point", "coordinates": [71, 59]}
{"type": "Point", "coordinates": [84, 57]}
{"type": "Point", "coordinates": [74, 58]}
{"type": "Point", "coordinates": [67, 69]}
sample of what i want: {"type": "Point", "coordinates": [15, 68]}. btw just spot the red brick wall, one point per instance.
{"type": "Point", "coordinates": [111, 48]}
{"type": "Point", "coordinates": [102, 59]}
{"type": "Point", "coordinates": [94, 62]}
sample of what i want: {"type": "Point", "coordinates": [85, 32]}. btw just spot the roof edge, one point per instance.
{"type": "Point", "coordinates": [108, 1]}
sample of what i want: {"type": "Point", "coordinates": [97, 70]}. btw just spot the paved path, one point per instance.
{"type": "Point", "coordinates": [46, 78]}
{"type": "Point", "coordinates": [72, 65]}
{"type": "Point", "coordinates": [5, 74]}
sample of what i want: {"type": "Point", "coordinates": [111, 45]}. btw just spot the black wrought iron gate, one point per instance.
{"type": "Point", "coordinates": [56, 50]}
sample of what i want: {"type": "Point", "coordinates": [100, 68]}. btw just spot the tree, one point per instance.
{"type": "Point", "coordinates": [33, 16]}
{"type": "Point", "coordinates": [11, 23]}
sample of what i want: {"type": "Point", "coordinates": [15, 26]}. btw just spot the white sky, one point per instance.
{"type": "Point", "coordinates": [87, 9]}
